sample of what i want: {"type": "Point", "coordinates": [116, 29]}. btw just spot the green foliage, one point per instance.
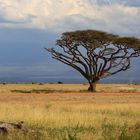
{"type": "Point", "coordinates": [131, 42]}
{"type": "Point", "coordinates": [89, 37]}
{"type": "Point", "coordinates": [95, 37]}
{"type": "Point", "coordinates": [71, 136]}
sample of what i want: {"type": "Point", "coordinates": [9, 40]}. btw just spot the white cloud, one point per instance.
{"type": "Point", "coordinates": [61, 15]}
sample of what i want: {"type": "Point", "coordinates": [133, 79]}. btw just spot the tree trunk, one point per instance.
{"type": "Point", "coordinates": [92, 87]}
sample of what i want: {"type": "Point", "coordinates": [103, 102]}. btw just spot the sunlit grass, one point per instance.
{"type": "Point", "coordinates": [69, 116]}
{"type": "Point", "coordinates": [49, 88]}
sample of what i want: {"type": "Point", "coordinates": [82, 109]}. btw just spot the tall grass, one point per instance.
{"type": "Point", "coordinates": [71, 122]}
{"type": "Point", "coordinates": [71, 117]}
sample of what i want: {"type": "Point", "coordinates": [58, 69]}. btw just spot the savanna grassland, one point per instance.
{"type": "Point", "coordinates": [68, 112]}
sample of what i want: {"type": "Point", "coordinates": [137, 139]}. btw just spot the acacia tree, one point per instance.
{"type": "Point", "coordinates": [96, 54]}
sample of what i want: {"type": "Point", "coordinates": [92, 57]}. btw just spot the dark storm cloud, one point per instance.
{"type": "Point", "coordinates": [135, 3]}
{"type": "Point", "coordinates": [26, 27]}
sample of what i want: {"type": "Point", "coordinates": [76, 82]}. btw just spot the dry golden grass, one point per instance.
{"type": "Point", "coordinates": [60, 115]}
{"type": "Point", "coordinates": [105, 88]}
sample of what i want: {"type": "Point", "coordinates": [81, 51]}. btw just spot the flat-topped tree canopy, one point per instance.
{"type": "Point", "coordinates": [130, 42]}
{"type": "Point", "coordinates": [89, 38]}
{"type": "Point", "coordinates": [96, 54]}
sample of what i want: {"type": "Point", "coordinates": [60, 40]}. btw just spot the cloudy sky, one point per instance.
{"type": "Point", "coordinates": [27, 26]}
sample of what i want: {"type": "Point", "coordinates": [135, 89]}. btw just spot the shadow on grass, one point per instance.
{"type": "Point", "coordinates": [49, 91]}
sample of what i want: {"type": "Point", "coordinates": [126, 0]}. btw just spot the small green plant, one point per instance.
{"type": "Point", "coordinates": [108, 131]}
{"type": "Point", "coordinates": [71, 136]}
{"type": "Point", "coordinates": [130, 133]}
